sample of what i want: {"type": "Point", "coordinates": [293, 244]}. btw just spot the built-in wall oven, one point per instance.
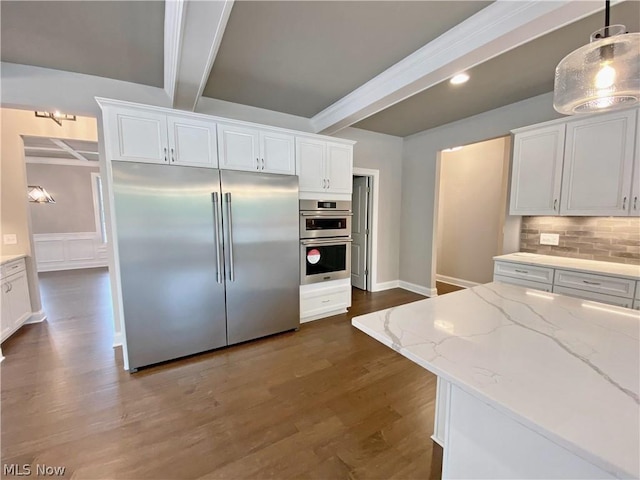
{"type": "Point", "coordinates": [325, 240]}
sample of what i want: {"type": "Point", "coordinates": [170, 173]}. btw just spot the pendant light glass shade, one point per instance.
{"type": "Point", "coordinates": [600, 76]}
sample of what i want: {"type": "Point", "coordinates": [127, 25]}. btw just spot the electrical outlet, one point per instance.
{"type": "Point", "coordinates": [549, 239]}
{"type": "Point", "coordinates": [10, 239]}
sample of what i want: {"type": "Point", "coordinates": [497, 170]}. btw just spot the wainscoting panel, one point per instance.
{"type": "Point", "coordinates": [69, 251]}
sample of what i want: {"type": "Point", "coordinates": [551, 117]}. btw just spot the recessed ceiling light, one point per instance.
{"type": "Point", "coordinates": [459, 78]}
{"type": "Point", "coordinates": [452, 149]}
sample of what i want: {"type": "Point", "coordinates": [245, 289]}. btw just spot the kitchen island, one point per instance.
{"type": "Point", "coordinates": [530, 384]}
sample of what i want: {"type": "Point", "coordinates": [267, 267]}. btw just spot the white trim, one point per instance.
{"type": "Point", "coordinates": [36, 317]}
{"type": "Point", "coordinates": [69, 251]}
{"type": "Point", "coordinates": [95, 176]}
{"type": "Point", "coordinates": [62, 161]}
{"type": "Point", "coordinates": [379, 287]}
{"type": "Point", "coordinates": [319, 316]}
{"type": "Point", "coordinates": [173, 31]}
{"type": "Point", "coordinates": [117, 339]}
{"type": "Point", "coordinates": [412, 287]}
{"type": "Point", "coordinates": [496, 29]}
{"type": "Point", "coordinates": [374, 174]}
{"type": "Point", "coordinates": [68, 149]}
{"type": "Point", "coordinates": [458, 282]}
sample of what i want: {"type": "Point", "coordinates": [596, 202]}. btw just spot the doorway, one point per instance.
{"type": "Point", "coordinates": [364, 229]}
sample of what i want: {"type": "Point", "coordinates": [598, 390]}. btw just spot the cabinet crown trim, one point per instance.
{"type": "Point", "coordinates": [567, 119]}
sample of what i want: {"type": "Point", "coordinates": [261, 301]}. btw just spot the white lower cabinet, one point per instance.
{"type": "Point", "coordinates": [594, 296]}
{"type": "Point", "coordinates": [324, 299]}
{"type": "Point", "coordinates": [636, 304]}
{"type": "Point", "coordinates": [16, 304]}
{"type": "Point", "coordinates": [545, 287]}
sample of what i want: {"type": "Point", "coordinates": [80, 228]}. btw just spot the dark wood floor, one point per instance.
{"type": "Point", "coordinates": [325, 402]}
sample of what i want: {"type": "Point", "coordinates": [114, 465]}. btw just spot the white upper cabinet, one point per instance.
{"type": "Point", "coordinates": [324, 167]}
{"type": "Point", "coordinates": [256, 150]}
{"type": "Point", "coordinates": [192, 142]}
{"type": "Point", "coordinates": [140, 135]}
{"type": "Point", "coordinates": [598, 164]}
{"type": "Point", "coordinates": [239, 147]}
{"type": "Point", "coordinates": [136, 136]}
{"type": "Point", "coordinates": [536, 174]}
{"type": "Point", "coordinates": [634, 207]}
{"type": "Point", "coordinates": [277, 152]}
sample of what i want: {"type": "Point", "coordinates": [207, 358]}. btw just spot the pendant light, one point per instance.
{"type": "Point", "coordinates": [601, 76]}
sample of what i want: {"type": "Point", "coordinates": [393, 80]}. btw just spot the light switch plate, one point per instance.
{"type": "Point", "coordinates": [549, 239]}
{"type": "Point", "coordinates": [10, 239]}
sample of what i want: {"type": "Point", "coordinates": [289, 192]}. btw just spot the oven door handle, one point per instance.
{"type": "Point", "coordinates": [327, 214]}
{"type": "Point", "coordinates": [328, 241]}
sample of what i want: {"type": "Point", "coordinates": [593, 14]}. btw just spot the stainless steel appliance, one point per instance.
{"type": "Point", "coordinates": [320, 219]}
{"type": "Point", "coordinates": [208, 258]}
{"type": "Point", "coordinates": [325, 240]}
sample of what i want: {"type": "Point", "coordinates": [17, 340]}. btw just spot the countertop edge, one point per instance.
{"type": "Point", "coordinates": [10, 258]}
{"type": "Point", "coordinates": [524, 421]}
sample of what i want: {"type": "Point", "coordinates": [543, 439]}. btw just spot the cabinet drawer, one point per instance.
{"type": "Point", "coordinates": [620, 287]}
{"type": "Point", "coordinates": [545, 287]}
{"type": "Point", "coordinates": [636, 304]}
{"type": "Point", "coordinates": [596, 297]}
{"type": "Point", "coordinates": [525, 272]}
{"type": "Point", "coordinates": [638, 290]}
{"type": "Point", "coordinates": [15, 266]}
{"type": "Point", "coordinates": [320, 302]}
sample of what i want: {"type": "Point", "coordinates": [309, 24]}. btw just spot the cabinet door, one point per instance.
{"type": "Point", "coordinates": [136, 136]}
{"type": "Point", "coordinates": [277, 153]}
{"type": "Point", "coordinates": [597, 165]}
{"type": "Point", "coordinates": [20, 301]}
{"type": "Point", "coordinates": [192, 142]}
{"type": "Point", "coordinates": [310, 160]}
{"type": "Point", "coordinates": [6, 321]}
{"type": "Point", "coordinates": [634, 208]}
{"type": "Point", "coordinates": [536, 172]}
{"type": "Point", "coordinates": [339, 168]}
{"type": "Point", "coordinates": [238, 148]}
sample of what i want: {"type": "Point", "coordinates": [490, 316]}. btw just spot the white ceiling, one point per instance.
{"type": "Point", "coordinates": [378, 65]}
{"type": "Point", "coordinates": [113, 39]}
{"type": "Point", "coordinates": [46, 147]}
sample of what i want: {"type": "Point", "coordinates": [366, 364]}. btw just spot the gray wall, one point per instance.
{"type": "Point", "coordinates": [384, 153]}
{"type": "Point", "coordinates": [471, 209]}
{"type": "Point", "coordinates": [419, 163]}
{"type": "Point", "coordinates": [70, 186]}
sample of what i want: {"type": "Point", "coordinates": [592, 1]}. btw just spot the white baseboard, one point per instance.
{"type": "Point", "coordinates": [117, 339]}
{"type": "Point", "coordinates": [69, 251]}
{"type": "Point", "coordinates": [412, 287]}
{"type": "Point", "coordinates": [37, 317]}
{"type": "Point", "coordinates": [379, 287]}
{"type": "Point", "coordinates": [458, 282]}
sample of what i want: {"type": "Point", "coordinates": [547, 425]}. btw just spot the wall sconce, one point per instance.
{"type": "Point", "coordinates": [56, 116]}
{"type": "Point", "coordinates": [38, 194]}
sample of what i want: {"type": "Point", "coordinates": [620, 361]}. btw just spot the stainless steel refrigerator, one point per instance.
{"type": "Point", "coordinates": [208, 257]}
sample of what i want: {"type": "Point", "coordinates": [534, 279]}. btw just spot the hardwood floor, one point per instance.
{"type": "Point", "coordinates": [325, 402]}
{"type": "Point", "coordinates": [447, 288]}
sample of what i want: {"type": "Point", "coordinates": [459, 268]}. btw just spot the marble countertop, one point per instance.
{"type": "Point", "coordinates": [8, 258]}
{"type": "Point", "coordinates": [577, 264]}
{"type": "Point", "coordinates": [566, 368]}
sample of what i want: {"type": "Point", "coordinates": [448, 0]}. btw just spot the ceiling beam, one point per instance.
{"type": "Point", "coordinates": [193, 33]}
{"type": "Point", "coordinates": [68, 149]}
{"type": "Point", "coordinates": [496, 29]}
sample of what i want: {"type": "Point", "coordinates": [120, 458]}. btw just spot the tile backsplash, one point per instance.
{"type": "Point", "coordinates": [611, 239]}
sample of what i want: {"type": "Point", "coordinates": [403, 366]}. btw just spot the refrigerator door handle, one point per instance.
{"type": "Point", "coordinates": [227, 197]}
{"type": "Point", "coordinates": [216, 233]}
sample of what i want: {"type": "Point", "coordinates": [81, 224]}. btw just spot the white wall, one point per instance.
{"type": "Point", "coordinates": [419, 161]}
{"type": "Point", "coordinates": [471, 209]}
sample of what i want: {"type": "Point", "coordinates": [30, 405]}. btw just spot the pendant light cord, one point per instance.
{"type": "Point", "coordinates": [607, 5]}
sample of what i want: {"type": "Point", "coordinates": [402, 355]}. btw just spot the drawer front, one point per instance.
{"type": "Point", "coordinates": [620, 287]}
{"type": "Point", "coordinates": [594, 296]}
{"type": "Point", "coordinates": [319, 303]}
{"type": "Point", "coordinates": [15, 266]}
{"type": "Point", "coordinates": [525, 272]}
{"type": "Point", "coordinates": [636, 304]}
{"type": "Point", "coordinates": [545, 287]}
{"type": "Point", "coordinates": [638, 290]}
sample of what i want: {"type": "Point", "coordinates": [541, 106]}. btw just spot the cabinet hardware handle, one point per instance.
{"type": "Point", "coordinates": [165, 154]}
{"type": "Point", "coordinates": [624, 203]}
{"type": "Point", "coordinates": [324, 183]}
{"type": "Point", "coordinates": [521, 271]}
{"type": "Point", "coordinates": [257, 164]}
{"type": "Point", "coordinates": [555, 204]}
{"type": "Point", "coordinates": [328, 183]}
{"type": "Point", "coordinates": [326, 301]}
{"type": "Point", "coordinates": [173, 158]}
{"type": "Point", "coordinates": [263, 164]}
{"type": "Point", "coordinates": [591, 283]}
{"type": "Point", "coordinates": [635, 202]}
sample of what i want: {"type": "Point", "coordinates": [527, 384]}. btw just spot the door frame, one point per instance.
{"type": "Point", "coordinates": [372, 247]}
